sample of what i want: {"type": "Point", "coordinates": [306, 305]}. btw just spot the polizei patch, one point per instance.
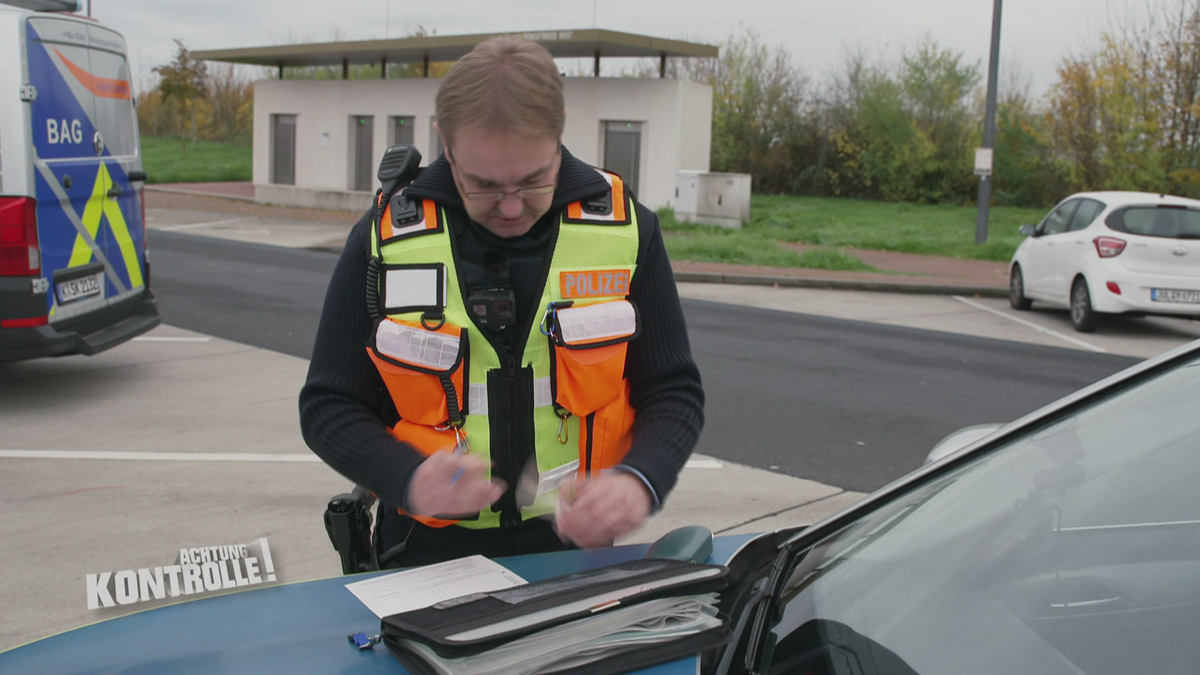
{"type": "Point", "coordinates": [594, 283]}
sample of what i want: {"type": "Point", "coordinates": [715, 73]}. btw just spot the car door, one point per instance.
{"type": "Point", "coordinates": [1066, 257]}
{"type": "Point", "coordinates": [116, 122]}
{"type": "Point", "coordinates": [1040, 263]}
{"type": "Point", "coordinates": [85, 140]}
{"type": "Point", "coordinates": [68, 188]}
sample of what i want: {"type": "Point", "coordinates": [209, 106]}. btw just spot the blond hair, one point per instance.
{"type": "Point", "coordinates": [507, 84]}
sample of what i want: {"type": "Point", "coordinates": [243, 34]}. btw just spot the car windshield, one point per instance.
{"type": "Point", "coordinates": [1175, 222]}
{"type": "Point", "coordinates": [1074, 548]}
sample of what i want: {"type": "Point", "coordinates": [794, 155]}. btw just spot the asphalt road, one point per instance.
{"type": "Point", "coordinates": [847, 403]}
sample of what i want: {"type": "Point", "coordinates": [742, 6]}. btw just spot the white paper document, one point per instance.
{"type": "Point", "coordinates": [422, 587]}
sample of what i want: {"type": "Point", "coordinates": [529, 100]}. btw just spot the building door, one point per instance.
{"type": "Point", "coordinates": [283, 149]}
{"type": "Point", "coordinates": [623, 150]}
{"type": "Point", "coordinates": [364, 126]}
{"type": "Point", "coordinates": [402, 131]}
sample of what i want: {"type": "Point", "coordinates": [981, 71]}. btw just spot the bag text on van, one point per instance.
{"type": "Point", "coordinates": [64, 131]}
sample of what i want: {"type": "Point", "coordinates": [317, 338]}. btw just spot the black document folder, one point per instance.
{"type": "Point", "coordinates": [609, 620]}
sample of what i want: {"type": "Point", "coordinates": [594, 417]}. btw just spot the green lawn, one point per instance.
{"type": "Point", "coordinates": [207, 162]}
{"type": "Point", "coordinates": [830, 223]}
{"type": "Point", "coordinates": [845, 223]}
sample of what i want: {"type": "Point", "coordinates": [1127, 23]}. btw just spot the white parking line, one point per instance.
{"type": "Point", "coordinates": [702, 463]}
{"type": "Point", "coordinates": [212, 223]}
{"type": "Point", "coordinates": [155, 338]}
{"type": "Point", "coordinates": [1034, 326]}
{"type": "Point", "coordinates": [160, 456]}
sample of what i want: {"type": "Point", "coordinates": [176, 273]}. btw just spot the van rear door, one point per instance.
{"type": "Point", "coordinates": [84, 136]}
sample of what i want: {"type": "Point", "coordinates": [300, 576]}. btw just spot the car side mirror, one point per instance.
{"type": "Point", "coordinates": [1029, 230]}
{"type": "Point", "coordinates": [961, 439]}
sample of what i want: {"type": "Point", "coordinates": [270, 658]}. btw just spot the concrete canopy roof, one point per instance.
{"type": "Point", "coordinates": [560, 43]}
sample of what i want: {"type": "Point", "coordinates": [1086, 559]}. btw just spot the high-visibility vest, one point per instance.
{"type": "Point", "coordinates": [436, 361]}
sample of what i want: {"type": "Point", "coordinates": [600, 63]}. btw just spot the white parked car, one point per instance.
{"type": "Point", "coordinates": [1100, 253]}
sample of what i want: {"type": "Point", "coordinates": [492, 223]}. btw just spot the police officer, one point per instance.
{"type": "Point", "coordinates": [502, 358]}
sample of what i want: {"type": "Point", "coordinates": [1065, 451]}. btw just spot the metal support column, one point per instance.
{"type": "Point", "coordinates": [989, 127]}
{"type": "Point", "coordinates": [346, 69]}
{"type": "Point", "coordinates": [383, 67]}
{"type": "Point", "coordinates": [662, 65]}
{"type": "Point", "coordinates": [596, 67]}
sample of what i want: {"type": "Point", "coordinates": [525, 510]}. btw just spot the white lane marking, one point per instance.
{"type": "Point", "coordinates": [155, 338]}
{"type": "Point", "coordinates": [211, 223]}
{"type": "Point", "coordinates": [159, 456]}
{"type": "Point", "coordinates": [216, 457]}
{"type": "Point", "coordinates": [1034, 326]}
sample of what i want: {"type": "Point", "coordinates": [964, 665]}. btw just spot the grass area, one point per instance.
{"type": "Point", "coordinates": [205, 163]}
{"type": "Point", "coordinates": [944, 230]}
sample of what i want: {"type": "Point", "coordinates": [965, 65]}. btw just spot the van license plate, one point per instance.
{"type": "Point", "coordinates": [78, 289]}
{"type": "Point", "coordinates": [1170, 295]}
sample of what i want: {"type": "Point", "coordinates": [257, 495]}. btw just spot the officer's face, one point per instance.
{"type": "Point", "coordinates": [506, 181]}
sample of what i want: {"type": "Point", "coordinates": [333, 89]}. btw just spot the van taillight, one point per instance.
{"type": "Point", "coordinates": [20, 255]}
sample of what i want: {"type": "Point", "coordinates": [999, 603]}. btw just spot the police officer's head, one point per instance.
{"type": "Point", "coordinates": [500, 112]}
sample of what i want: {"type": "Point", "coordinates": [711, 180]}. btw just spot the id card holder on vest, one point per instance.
{"type": "Point", "coordinates": [542, 488]}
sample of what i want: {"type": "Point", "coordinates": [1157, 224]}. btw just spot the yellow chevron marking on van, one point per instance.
{"type": "Point", "coordinates": [100, 205]}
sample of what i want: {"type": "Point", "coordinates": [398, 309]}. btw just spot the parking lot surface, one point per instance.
{"type": "Point", "coordinates": [178, 439]}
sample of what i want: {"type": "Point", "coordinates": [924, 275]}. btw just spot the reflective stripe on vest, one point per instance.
{"type": "Point", "coordinates": [598, 430]}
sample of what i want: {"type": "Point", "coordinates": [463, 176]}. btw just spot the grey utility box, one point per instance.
{"type": "Point", "coordinates": [712, 198]}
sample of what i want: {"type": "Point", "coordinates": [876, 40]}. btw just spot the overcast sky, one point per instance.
{"type": "Point", "coordinates": [1036, 34]}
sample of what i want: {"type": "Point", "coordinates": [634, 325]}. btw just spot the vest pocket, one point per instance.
{"type": "Point", "coordinates": [423, 370]}
{"type": "Point", "coordinates": [590, 343]}
{"type": "Point", "coordinates": [428, 440]}
{"type": "Point", "coordinates": [607, 435]}
{"type": "Point", "coordinates": [586, 380]}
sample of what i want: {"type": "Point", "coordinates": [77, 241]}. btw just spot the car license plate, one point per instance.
{"type": "Point", "coordinates": [1172, 295]}
{"type": "Point", "coordinates": [78, 289]}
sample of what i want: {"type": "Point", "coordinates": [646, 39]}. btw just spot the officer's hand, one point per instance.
{"type": "Point", "coordinates": [447, 483]}
{"type": "Point", "coordinates": [596, 511]}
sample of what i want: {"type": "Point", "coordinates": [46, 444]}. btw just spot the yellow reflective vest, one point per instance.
{"type": "Point", "coordinates": [452, 387]}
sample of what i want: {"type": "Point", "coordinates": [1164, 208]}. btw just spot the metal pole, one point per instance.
{"type": "Point", "coordinates": [989, 126]}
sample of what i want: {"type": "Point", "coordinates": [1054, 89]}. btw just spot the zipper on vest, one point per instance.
{"type": "Point", "coordinates": [510, 437]}
{"type": "Point", "coordinates": [591, 428]}
{"type": "Point", "coordinates": [510, 514]}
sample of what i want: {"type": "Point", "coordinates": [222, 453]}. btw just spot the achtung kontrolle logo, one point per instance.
{"type": "Point", "coordinates": [196, 570]}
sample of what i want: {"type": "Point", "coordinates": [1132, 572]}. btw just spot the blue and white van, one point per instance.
{"type": "Point", "coordinates": [74, 275]}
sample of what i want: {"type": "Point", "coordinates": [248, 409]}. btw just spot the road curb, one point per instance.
{"type": "Point", "coordinates": [840, 284]}
{"type": "Point", "coordinates": [197, 193]}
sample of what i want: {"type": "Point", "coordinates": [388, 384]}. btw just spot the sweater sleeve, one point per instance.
{"type": "Point", "coordinates": [342, 400]}
{"type": "Point", "coordinates": [664, 380]}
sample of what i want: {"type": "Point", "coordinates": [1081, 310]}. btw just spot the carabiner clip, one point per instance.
{"type": "Point", "coordinates": [563, 430]}
{"type": "Point", "coordinates": [547, 325]}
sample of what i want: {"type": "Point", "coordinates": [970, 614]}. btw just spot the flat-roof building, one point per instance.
{"type": "Point", "coordinates": [317, 142]}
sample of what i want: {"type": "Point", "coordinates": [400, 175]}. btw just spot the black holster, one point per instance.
{"type": "Point", "coordinates": [348, 522]}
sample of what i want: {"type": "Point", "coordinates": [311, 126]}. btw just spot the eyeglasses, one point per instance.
{"type": "Point", "coordinates": [495, 196]}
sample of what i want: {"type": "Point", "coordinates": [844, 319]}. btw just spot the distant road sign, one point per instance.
{"type": "Point", "coordinates": [983, 161]}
